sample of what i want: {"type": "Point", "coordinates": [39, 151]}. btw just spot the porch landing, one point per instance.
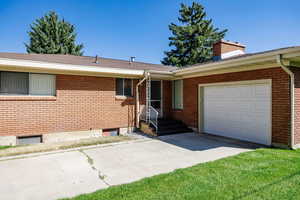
{"type": "Point", "coordinates": [165, 127]}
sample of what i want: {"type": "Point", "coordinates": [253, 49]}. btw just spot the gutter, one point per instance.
{"type": "Point", "coordinates": [161, 72]}
{"type": "Point", "coordinates": [75, 69]}
{"type": "Point", "coordinates": [292, 96]}
{"type": "Point", "coordinates": [260, 57]}
{"type": "Point", "coordinates": [146, 74]}
{"type": "Point", "coordinates": [49, 67]}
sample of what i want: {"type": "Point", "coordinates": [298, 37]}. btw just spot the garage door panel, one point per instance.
{"type": "Point", "coordinates": [238, 111]}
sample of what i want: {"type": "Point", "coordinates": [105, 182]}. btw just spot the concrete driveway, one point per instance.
{"type": "Point", "coordinates": [69, 173]}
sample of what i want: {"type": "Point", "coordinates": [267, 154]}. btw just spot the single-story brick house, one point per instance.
{"type": "Point", "coordinates": [252, 97]}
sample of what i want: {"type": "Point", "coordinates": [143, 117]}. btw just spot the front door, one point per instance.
{"type": "Point", "coordinates": [156, 96]}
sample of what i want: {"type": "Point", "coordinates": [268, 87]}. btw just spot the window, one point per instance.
{"type": "Point", "coordinates": [124, 87]}
{"type": "Point", "coordinates": [42, 84]}
{"type": "Point", "coordinates": [177, 94]}
{"type": "Point", "coordinates": [14, 83]}
{"type": "Point", "coordinates": [29, 139]}
{"type": "Point", "coordinates": [19, 83]}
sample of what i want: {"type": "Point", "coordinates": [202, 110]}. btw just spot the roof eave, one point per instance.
{"type": "Point", "coordinates": [270, 56]}
{"type": "Point", "coordinates": [47, 67]}
{"type": "Point", "coordinates": [71, 69]}
{"type": "Point", "coordinates": [164, 75]}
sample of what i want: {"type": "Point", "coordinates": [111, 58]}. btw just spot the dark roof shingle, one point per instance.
{"type": "Point", "coordinates": [115, 63]}
{"type": "Point", "coordinates": [86, 60]}
{"type": "Point", "coordinates": [237, 57]}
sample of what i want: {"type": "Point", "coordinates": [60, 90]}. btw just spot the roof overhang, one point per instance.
{"type": "Point", "coordinates": [263, 60]}
{"type": "Point", "coordinates": [257, 61]}
{"type": "Point", "coordinates": [163, 75]}
{"type": "Point", "coordinates": [45, 67]}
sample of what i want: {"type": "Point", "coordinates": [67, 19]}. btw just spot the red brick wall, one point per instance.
{"type": "Point", "coordinates": [82, 103]}
{"type": "Point", "coordinates": [280, 98]}
{"type": "Point", "coordinates": [297, 106]}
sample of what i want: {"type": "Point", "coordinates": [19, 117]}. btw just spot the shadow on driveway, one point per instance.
{"type": "Point", "coordinates": [200, 142]}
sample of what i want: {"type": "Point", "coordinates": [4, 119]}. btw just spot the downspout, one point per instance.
{"type": "Point", "coordinates": [137, 95]}
{"type": "Point", "coordinates": [292, 95]}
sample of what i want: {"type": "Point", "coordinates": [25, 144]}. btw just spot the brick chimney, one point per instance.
{"type": "Point", "coordinates": [226, 49]}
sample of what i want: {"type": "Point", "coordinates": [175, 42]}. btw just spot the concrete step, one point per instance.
{"type": "Point", "coordinates": [174, 131]}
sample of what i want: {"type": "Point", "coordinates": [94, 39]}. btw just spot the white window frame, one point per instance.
{"type": "Point", "coordinates": [173, 95]}
{"type": "Point", "coordinates": [29, 87]}
{"type": "Point", "coordinates": [123, 88]}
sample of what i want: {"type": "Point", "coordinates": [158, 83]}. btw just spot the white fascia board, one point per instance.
{"type": "Point", "coordinates": [68, 67]}
{"type": "Point", "coordinates": [212, 66]}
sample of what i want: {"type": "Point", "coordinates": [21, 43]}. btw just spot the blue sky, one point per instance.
{"type": "Point", "coordinates": [124, 28]}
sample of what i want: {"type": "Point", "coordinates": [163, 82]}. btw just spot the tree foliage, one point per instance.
{"type": "Point", "coordinates": [192, 41]}
{"type": "Point", "coordinates": [50, 35]}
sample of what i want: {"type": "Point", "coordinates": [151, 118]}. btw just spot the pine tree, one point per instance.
{"type": "Point", "coordinates": [50, 35]}
{"type": "Point", "coordinates": [192, 40]}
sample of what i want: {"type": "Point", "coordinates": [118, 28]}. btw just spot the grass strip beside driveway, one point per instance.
{"type": "Point", "coordinates": [260, 174]}
{"type": "Point", "coordinates": [45, 147]}
{"type": "Point", "coordinates": [5, 147]}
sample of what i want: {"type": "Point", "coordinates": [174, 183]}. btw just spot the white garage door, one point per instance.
{"type": "Point", "coordinates": [238, 111]}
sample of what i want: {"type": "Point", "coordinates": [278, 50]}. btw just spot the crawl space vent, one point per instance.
{"type": "Point", "coordinates": [29, 140]}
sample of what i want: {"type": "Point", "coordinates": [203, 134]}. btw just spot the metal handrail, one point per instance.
{"type": "Point", "coordinates": [153, 117]}
{"type": "Point", "coordinates": [149, 114]}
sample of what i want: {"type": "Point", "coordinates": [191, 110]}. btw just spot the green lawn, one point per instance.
{"type": "Point", "coordinates": [4, 147]}
{"type": "Point", "coordinates": [260, 174]}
